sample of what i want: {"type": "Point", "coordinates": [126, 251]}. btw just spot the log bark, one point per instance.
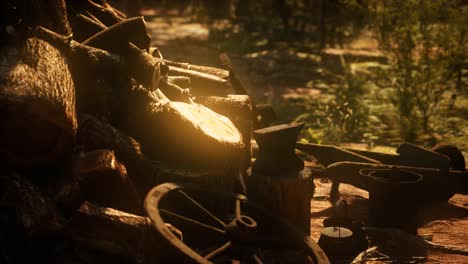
{"type": "Point", "coordinates": [288, 197]}
{"type": "Point", "coordinates": [186, 134]}
{"type": "Point", "coordinates": [95, 134]}
{"type": "Point", "coordinates": [115, 39]}
{"type": "Point", "coordinates": [112, 231]}
{"type": "Point", "coordinates": [37, 103]}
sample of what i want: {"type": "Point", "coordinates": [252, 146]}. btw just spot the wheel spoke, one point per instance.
{"type": "Point", "coordinates": [238, 208]}
{"type": "Point", "coordinates": [202, 208]}
{"type": "Point", "coordinates": [257, 259]}
{"type": "Point", "coordinates": [193, 221]}
{"type": "Point", "coordinates": [218, 250]}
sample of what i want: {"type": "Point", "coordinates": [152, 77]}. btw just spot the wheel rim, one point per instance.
{"type": "Point", "coordinates": [217, 232]}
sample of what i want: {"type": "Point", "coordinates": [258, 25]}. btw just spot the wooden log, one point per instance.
{"type": "Point", "coordinates": [232, 106]}
{"type": "Point", "coordinates": [84, 27]}
{"type": "Point", "coordinates": [26, 212]}
{"type": "Point", "coordinates": [238, 108]}
{"type": "Point", "coordinates": [279, 181]}
{"type": "Point", "coordinates": [220, 73]}
{"type": "Point", "coordinates": [103, 180]}
{"type": "Point", "coordinates": [95, 73]}
{"type": "Point", "coordinates": [91, 63]}
{"type": "Point", "coordinates": [95, 134]}
{"type": "Point", "coordinates": [143, 67]}
{"type": "Point", "coordinates": [202, 83]}
{"type": "Point", "coordinates": [115, 39]}
{"type": "Point", "coordinates": [186, 134]}
{"type": "Point", "coordinates": [287, 197]}
{"type": "Point", "coordinates": [112, 231]}
{"type": "Point", "coordinates": [37, 103]}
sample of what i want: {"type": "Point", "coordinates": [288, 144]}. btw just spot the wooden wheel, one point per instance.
{"type": "Point", "coordinates": [200, 226]}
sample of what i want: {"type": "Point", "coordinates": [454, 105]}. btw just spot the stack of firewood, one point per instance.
{"type": "Point", "coordinates": [87, 106]}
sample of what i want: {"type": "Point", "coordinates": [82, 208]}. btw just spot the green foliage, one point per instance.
{"type": "Point", "coordinates": [345, 117]}
{"type": "Point", "coordinates": [425, 41]}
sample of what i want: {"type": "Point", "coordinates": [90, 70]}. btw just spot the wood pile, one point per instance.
{"type": "Point", "coordinates": [87, 108]}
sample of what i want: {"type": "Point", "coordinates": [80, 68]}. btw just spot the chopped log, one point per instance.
{"type": "Point", "coordinates": [84, 27]}
{"type": "Point", "coordinates": [232, 106]}
{"type": "Point", "coordinates": [112, 231]}
{"type": "Point", "coordinates": [115, 39]}
{"type": "Point", "coordinates": [95, 134]}
{"type": "Point", "coordinates": [239, 109]}
{"type": "Point", "coordinates": [91, 65]}
{"type": "Point", "coordinates": [202, 83]}
{"type": "Point", "coordinates": [138, 63]}
{"type": "Point", "coordinates": [26, 212]}
{"type": "Point", "coordinates": [106, 15]}
{"type": "Point", "coordinates": [104, 180]}
{"type": "Point", "coordinates": [37, 103]}
{"type": "Point", "coordinates": [186, 134]}
{"type": "Point", "coordinates": [220, 73]}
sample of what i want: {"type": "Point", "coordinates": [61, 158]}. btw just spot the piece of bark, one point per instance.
{"type": "Point", "coordinates": [37, 105]}
{"type": "Point", "coordinates": [26, 211]}
{"type": "Point", "coordinates": [187, 134]}
{"type": "Point", "coordinates": [104, 14]}
{"type": "Point", "coordinates": [84, 27]}
{"type": "Point", "coordinates": [115, 39]}
{"type": "Point", "coordinates": [103, 180]}
{"type": "Point", "coordinates": [95, 134]}
{"type": "Point", "coordinates": [112, 231]}
{"type": "Point", "coordinates": [202, 83]}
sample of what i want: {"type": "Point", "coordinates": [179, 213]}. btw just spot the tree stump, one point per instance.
{"type": "Point", "coordinates": [279, 181]}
